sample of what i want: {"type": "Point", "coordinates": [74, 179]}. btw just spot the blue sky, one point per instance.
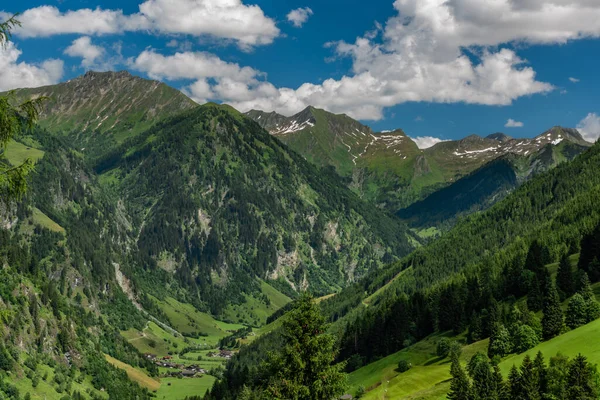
{"type": "Point", "coordinates": [434, 68]}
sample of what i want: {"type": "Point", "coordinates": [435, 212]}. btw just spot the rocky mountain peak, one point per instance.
{"type": "Point", "coordinates": [499, 136]}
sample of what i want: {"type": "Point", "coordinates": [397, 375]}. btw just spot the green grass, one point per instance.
{"type": "Point", "coordinates": [255, 311]}
{"type": "Point", "coordinates": [41, 219]}
{"type": "Point", "coordinates": [135, 374]}
{"type": "Point", "coordinates": [186, 319]}
{"type": "Point", "coordinates": [167, 388]}
{"type": "Point", "coordinates": [369, 299]}
{"type": "Point", "coordinates": [263, 330]}
{"type": "Point", "coordinates": [178, 389]}
{"type": "Point", "coordinates": [383, 381]}
{"type": "Point", "coordinates": [16, 153]}
{"type": "Point", "coordinates": [155, 340]}
{"type": "Point", "coordinates": [206, 362]}
{"type": "Point", "coordinates": [582, 340]}
{"type": "Point", "coordinates": [428, 233]}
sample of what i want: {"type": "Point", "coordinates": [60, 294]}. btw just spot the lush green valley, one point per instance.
{"type": "Point", "coordinates": [162, 250]}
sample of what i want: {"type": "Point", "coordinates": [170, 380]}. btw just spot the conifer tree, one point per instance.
{"type": "Point", "coordinates": [500, 341]}
{"type": "Point", "coordinates": [552, 322]}
{"type": "Point", "coordinates": [13, 118]}
{"type": "Point", "coordinates": [590, 253]}
{"type": "Point", "coordinates": [515, 384]}
{"type": "Point", "coordinates": [501, 387]}
{"type": "Point", "coordinates": [535, 258]}
{"type": "Point", "coordinates": [585, 287]}
{"type": "Point", "coordinates": [303, 369]}
{"type": "Point", "coordinates": [557, 376]}
{"type": "Point", "coordinates": [540, 368]}
{"type": "Point", "coordinates": [483, 383]}
{"type": "Point", "coordinates": [530, 384]}
{"type": "Point", "coordinates": [535, 296]}
{"type": "Point", "coordinates": [576, 311]}
{"type": "Point", "coordinates": [565, 281]}
{"type": "Point", "coordinates": [460, 386]}
{"type": "Point", "coordinates": [582, 380]}
{"type": "Point", "coordinates": [592, 307]}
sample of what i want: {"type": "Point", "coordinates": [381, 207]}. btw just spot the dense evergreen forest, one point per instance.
{"type": "Point", "coordinates": [561, 378]}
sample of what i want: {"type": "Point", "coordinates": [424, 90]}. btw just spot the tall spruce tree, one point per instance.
{"type": "Point", "coordinates": [576, 311]}
{"type": "Point", "coordinates": [535, 296]}
{"type": "Point", "coordinates": [590, 253]}
{"type": "Point", "coordinates": [540, 368]}
{"type": "Point", "coordinates": [500, 341]}
{"type": "Point", "coordinates": [553, 319]}
{"type": "Point", "coordinates": [483, 383]}
{"type": "Point", "coordinates": [557, 376]}
{"type": "Point", "coordinates": [515, 384]}
{"type": "Point", "coordinates": [585, 287]}
{"type": "Point", "coordinates": [303, 369]}
{"type": "Point", "coordinates": [582, 380]}
{"type": "Point", "coordinates": [530, 384]}
{"type": "Point", "coordinates": [501, 387]}
{"type": "Point", "coordinates": [565, 280]}
{"type": "Point", "coordinates": [460, 387]}
{"type": "Point", "coordinates": [592, 307]}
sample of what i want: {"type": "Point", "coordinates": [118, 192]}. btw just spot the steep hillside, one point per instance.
{"type": "Point", "coordinates": [60, 303]}
{"type": "Point", "coordinates": [100, 109]}
{"type": "Point", "coordinates": [217, 201]}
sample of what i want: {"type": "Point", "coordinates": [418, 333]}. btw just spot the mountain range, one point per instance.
{"type": "Point", "coordinates": [387, 167]}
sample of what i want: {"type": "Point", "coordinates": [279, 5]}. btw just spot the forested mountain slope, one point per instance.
{"type": "Point", "coordinates": [60, 302]}
{"type": "Point", "coordinates": [217, 201]}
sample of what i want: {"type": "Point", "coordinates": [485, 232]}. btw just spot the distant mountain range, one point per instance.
{"type": "Point", "coordinates": [388, 168]}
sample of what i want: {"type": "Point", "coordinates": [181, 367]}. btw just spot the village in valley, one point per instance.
{"type": "Point", "coordinates": [183, 369]}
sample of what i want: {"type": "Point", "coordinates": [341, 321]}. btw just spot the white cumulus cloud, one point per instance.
{"type": "Point", "coordinates": [430, 50]}
{"type": "Point", "coordinates": [230, 81]}
{"type": "Point", "coordinates": [574, 80]}
{"type": "Point", "coordinates": [299, 16]}
{"type": "Point", "coordinates": [227, 19]}
{"type": "Point", "coordinates": [231, 20]}
{"type": "Point", "coordinates": [589, 127]}
{"type": "Point", "coordinates": [511, 123]}
{"type": "Point", "coordinates": [15, 74]}
{"type": "Point", "coordinates": [425, 142]}
{"type": "Point", "coordinates": [84, 49]}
